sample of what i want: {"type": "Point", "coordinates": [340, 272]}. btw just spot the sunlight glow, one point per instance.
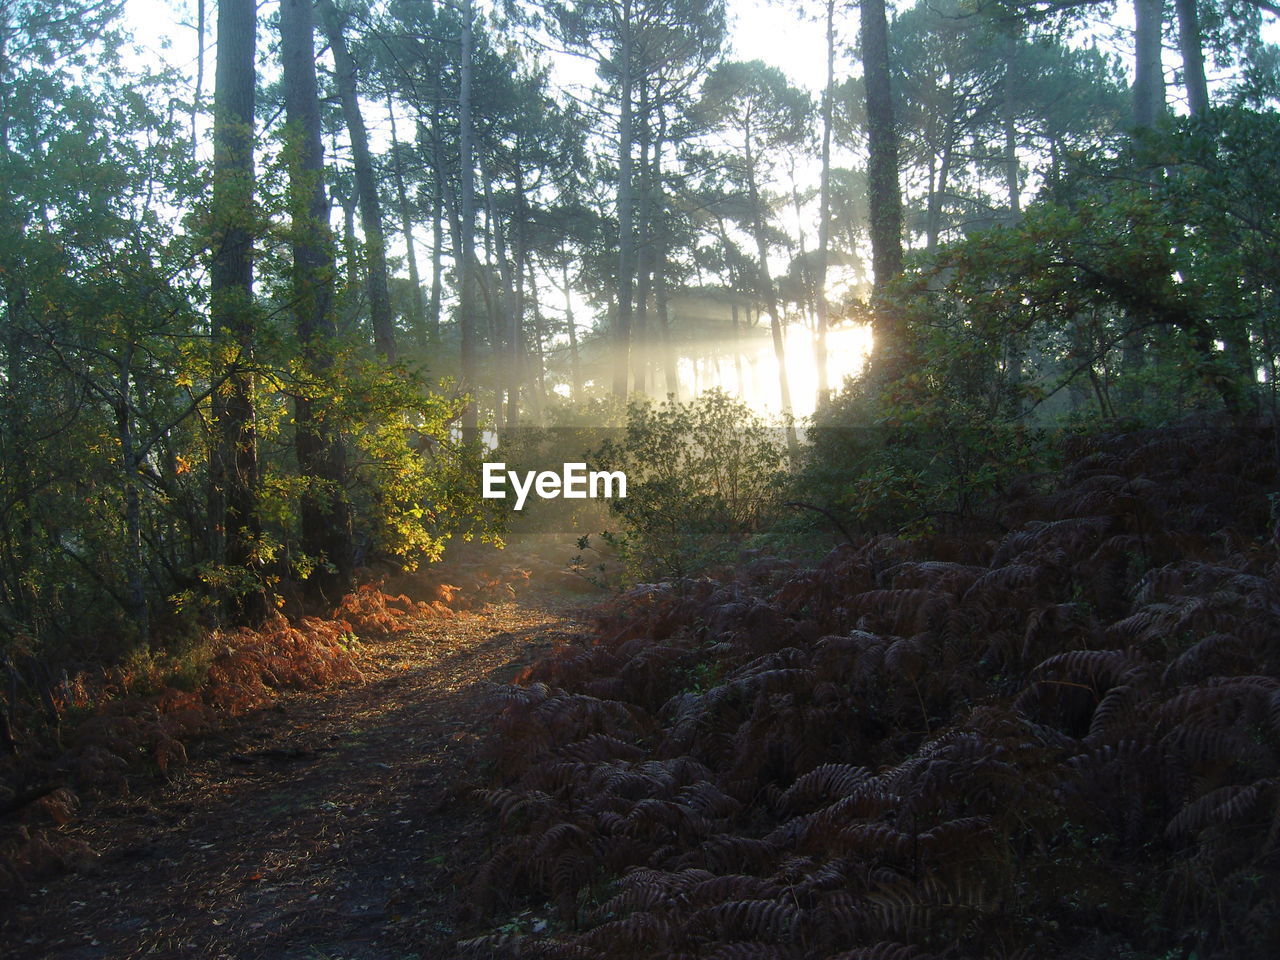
{"type": "Point", "coordinates": [847, 349]}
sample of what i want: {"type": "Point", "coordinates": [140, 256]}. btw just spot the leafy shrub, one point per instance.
{"type": "Point", "coordinates": [701, 477]}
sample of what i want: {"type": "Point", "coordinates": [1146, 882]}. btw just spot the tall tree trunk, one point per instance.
{"type": "Point", "coordinates": [437, 223]}
{"type": "Point", "coordinates": [1191, 43]}
{"type": "Point", "coordinates": [417, 308]}
{"type": "Point", "coordinates": [1009, 120]}
{"type": "Point", "coordinates": [199, 91]}
{"type": "Point", "coordinates": [644, 252]}
{"type": "Point", "coordinates": [504, 319]}
{"type": "Point", "coordinates": [134, 562]}
{"type": "Point", "coordinates": [519, 356]}
{"type": "Point", "coordinates": [626, 241]}
{"type": "Point", "coordinates": [19, 591]}
{"type": "Point", "coordinates": [884, 201]}
{"type": "Point", "coordinates": [325, 515]}
{"type": "Point", "coordinates": [933, 213]}
{"type": "Point", "coordinates": [466, 229]}
{"type": "Point", "coordinates": [1148, 78]}
{"type": "Point", "coordinates": [670, 371]}
{"type": "Point", "coordinates": [384, 336]}
{"type": "Point", "coordinates": [350, 251]}
{"type": "Point", "coordinates": [824, 222]}
{"type": "Point", "coordinates": [769, 295]}
{"type": "Point", "coordinates": [737, 347]}
{"type": "Point", "coordinates": [575, 361]}
{"type": "Point", "coordinates": [235, 470]}
{"type": "Point", "coordinates": [809, 296]}
{"type": "Point", "coordinates": [536, 360]}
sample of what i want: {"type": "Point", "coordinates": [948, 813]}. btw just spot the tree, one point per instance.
{"type": "Point", "coordinates": [884, 200]}
{"type": "Point", "coordinates": [824, 207]}
{"type": "Point", "coordinates": [235, 473]}
{"type": "Point", "coordinates": [632, 41]}
{"type": "Point", "coordinates": [324, 514]}
{"type": "Point", "coordinates": [345, 70]}
{"type": "Point", "coordinates": [767, 114]}
{"type": "Point", "coordinates": [1148, 78]}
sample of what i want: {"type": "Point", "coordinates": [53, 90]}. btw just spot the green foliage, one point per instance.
{"type": "Point", "coordinates": [930, 455]}
{"type": "Point", "coordinates": [1142, 289]}
{"type": "Point", "coordinates": [701, 477]}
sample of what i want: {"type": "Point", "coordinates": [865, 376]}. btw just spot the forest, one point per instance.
{"type": "Point", "coordinates": [940, 616]}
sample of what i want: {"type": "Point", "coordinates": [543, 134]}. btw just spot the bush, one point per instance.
{"type": "Point", "coordinates": [701, 477]}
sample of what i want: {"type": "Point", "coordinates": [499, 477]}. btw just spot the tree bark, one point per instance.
{"type": "Point", "coordinates": [824, 222]}
{"type": "Point", "coordinates": [884, 200]}
{"type": "Point", "coordinates": [135, 563]}
{"type": "Point", "coordinates": [1148, 79]}
{"type": "Point", "coordinates": [575, 361]}
{"type": "Point", "coordinates": [768, 294]}
{"type": "Point", "coordinates": [325, 516]}
{"type": "Point", "coordinates": [437, 225]}
{"type": "Point", "coordinates": [380, 315]}
{"type": "Point", "coordinates": [235, 469]}
{"type": "Point", "coordinates": [622, 318]}
{"type": "Point", "coordinates": [504, 315]}
{"type": "Point", "coordinates": [670, 371]}
{"type": "Point", "coordinates": [933, 215]}
{"type": "Point", "coordinates": [466, 230]}
{"type": "Point", "coordinates": [1191, 43]}
{"type": "Point", "coordinates": [1009, 120]}
{"type": "Point", "coordinates": [644, 252]}
{"type": "Point", "coordinates": [417, 308]}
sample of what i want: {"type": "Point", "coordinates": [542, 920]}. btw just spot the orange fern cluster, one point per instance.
{"type": "Point", "coordinates": [1062, 743]}
{"type": "Point", "coordinates": [124, 729]}
{"type": "Point", "coordinates": [373, 614]}
{"type": "Point", "coordinates": [280, 655]}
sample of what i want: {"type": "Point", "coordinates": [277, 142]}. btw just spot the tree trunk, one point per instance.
{"type": "Point", "coordinates": [884, 201]}
{"type": "Point", "coordinates": [134, 563]}
{"type": "Point", "coordinates": [808, 299]}
{"type": "Point", "coordinates": [737, 348]}
{"type": "Point", "coordinates": [384, 337]}
{"type": "Point", "coordinates": [503, 313]}
{"type": "Point", "coordinates": [883, 198]}
{"type": "Point", "coordinates": [417, 308]}
{"type": "Point", "coordinates": [350, 251]}
{"type": "Point", "coordinates": [536, 360]}
{"type": "Point", "coordinates": [235, 470]}
{"type": "Point", "coordinates": [824, 222]}
{"type": "Point", "coordinates": [769, 295]}
{"type": "Point", "coordinates": [325, 516]}
{"type": "Point", "coordinates": [670, 371]}
{"type": "Point", "coordinates": [466, 231]}
{"type": "Point", "coordinates": [1148, 79]}
{"type": "Point", "coordinates": [644, 253]}
{"type": "Point", "coordinates": [622, 320]}
{"type": "Point", "coordinates": [437, 226]}
{"type": "Point", "coordinates": [1009, 120]}
{"type": "Point", "coordinates": [575, 361]}
{"type": "Point", "coordinates": [1191, 43]}
{"type": "Point", "coordinates": [516, 273]}
{"type": "Point", "coordinates": [933, 215]}
{"type": "Point", "coordinates": [199, 90]}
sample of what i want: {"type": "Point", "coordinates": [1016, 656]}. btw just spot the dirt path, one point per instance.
{"type": "Point", "coordinates": [328, 825]}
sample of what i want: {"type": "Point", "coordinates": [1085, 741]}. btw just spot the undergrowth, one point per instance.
{"type": "Point", "coordinates": [1063, 741]}
{"type": "Point", "coordinates": [87, 733]}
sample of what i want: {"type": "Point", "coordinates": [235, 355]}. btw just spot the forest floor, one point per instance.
{"type": "Point", "coordinates": [326, 825]}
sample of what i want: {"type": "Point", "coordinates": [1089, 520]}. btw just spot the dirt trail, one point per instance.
{"type": "Point", "coordinates": [327, 825]}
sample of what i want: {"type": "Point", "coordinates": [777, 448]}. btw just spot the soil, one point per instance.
{"type": "Point", "coordinates": [327, 825]}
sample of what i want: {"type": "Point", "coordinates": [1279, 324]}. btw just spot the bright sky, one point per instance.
{"type": "Point", "coordinates": [769, 31]}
